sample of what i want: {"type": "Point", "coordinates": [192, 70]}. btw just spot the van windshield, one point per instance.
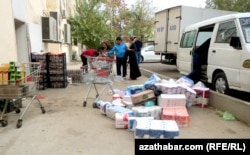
{"type": "Point", "coordinates": [245, 25]}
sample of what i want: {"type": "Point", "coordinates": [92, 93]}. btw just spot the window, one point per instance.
{"type": "Point", "coordinates": [202, 37]}
{"type": "Point", "coordinates": [225, 32]}
{"type": "Point", "coordinates": [188, 39]}
{"type": "Point", "coordinates": [245, 25]}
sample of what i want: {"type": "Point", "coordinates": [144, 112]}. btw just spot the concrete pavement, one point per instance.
{"type": "Point", "coordinates": [69, 128]}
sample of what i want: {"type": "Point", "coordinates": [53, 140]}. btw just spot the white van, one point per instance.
{"type": "Point", "coordinates": [224, 60]}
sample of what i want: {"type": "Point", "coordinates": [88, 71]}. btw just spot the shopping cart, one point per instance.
{"type": "Point", "coordinates": [98, 72]}
{"type": "Point", "coordinates": [20, 84]}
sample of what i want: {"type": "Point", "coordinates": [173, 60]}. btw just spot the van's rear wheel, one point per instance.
{"type": "Point", "coordinates": [220, 83]}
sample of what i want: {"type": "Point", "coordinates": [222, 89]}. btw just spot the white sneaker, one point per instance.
{"type": "Point", "coordinates": [118, 78]}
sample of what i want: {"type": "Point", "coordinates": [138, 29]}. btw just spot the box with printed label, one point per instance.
{"type": "Point", "coordinates": [142, 96]}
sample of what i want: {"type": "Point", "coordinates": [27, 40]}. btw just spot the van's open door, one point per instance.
{"type": "Point", "coordinates": [184, 53]}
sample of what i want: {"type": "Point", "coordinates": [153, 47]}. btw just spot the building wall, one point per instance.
{"type": "Point", "coordinates": [8, 49]}
{"type": "Point", "coordinates": [36, 9]}
{"type": "Point", "coordinates": [21, 31]}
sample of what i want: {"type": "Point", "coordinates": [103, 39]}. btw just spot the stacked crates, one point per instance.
{"type": "Point", "coordinates": [57, 70]}
{"type": "Point", "coordinates": [12, 76]}
{"type": "Point", "coordinates": [42, 58]}
{"type": "Point", "coordinates": [76, 75]}
{"type": "Point", "coordinates": [16, 73]}
{"type": "Point", "coordinates": [53, 72]}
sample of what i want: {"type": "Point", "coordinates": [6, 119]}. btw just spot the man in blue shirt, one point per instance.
{"type": "Point", "coordinates": [120, 49]}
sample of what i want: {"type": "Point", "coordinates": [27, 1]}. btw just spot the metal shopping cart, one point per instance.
{"type": "Point", "coordinates": [99, 72]}
{"type": "Point", "coordinates": [20, 84]}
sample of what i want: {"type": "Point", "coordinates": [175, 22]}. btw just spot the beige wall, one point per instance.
{"type": "Point", "coordinates": [17, 17]}
{"type": "Point", "coordinates": [36, 9]}
{"type": "Point", "coordinates": [7, 38]}
{"type": "Point", "coordinates": [53, 5]}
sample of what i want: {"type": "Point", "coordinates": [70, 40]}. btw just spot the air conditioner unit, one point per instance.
{"type": "Point", "coordinates": [58, 19]}
{"type": "Point", "coordinates": [63, 13]}
{"type": "Point", "coordinates": [67, 34]}
{"type": "Point", "coordinates": [48, 29]}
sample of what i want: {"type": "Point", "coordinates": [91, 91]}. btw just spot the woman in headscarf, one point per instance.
{"type": "Point", "coordinates": [133, 65]}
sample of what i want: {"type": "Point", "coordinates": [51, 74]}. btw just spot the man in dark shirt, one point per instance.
{"type": "Point", "coordinates": [138, 45]}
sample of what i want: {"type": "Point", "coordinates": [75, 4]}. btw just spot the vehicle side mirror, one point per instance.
{"type": "Point", "coordinates": [235, 42]}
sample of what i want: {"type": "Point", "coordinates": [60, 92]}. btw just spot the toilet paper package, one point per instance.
{"type": "Point", "coordinates": [142, 129]}
{"type": "Point", "coordinates": [179, 114]}
{"type": "Point", "coordinates": [156, 129]}
{"type": "Point", "coordinates": [172, 100]}
{"type": "Point", "coordinates": [142, 111]}
{"type": "Point", "coordinates": [134, 89]}
{"type": "Point", "coordinates": [202, 97]}
{"type": "Point", "coordinates": [121, 125]}
{"type": "Point", "coordinates": [121, 120]}
{"type": "Point", "coordinates": [104, 106]}
{"type": "Point", "coordinates": [170, 129]}
{"type": "Point", "coordinates": [133, 120]}
{"type": "Point", "coordinates": [112, 110]}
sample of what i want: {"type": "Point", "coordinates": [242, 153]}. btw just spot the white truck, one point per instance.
{"type": "Point", "coordinates": [169, 25]}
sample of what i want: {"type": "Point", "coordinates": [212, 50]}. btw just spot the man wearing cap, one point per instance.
{"type": "Point", "coordinates": [120, 49]}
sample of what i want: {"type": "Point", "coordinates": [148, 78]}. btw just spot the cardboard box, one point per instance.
{"type": "Point", "coordinates": [142, 96]}
{"type": "Point", "coordinates": [12, 91]}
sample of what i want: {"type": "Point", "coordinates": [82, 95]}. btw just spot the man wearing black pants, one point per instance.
{"type": "Point", "coordinates": [120, 49]}
{"type": "Point", "coordinates": [138, 45]}
{"type": "Point", "coordinates": [87, 53]}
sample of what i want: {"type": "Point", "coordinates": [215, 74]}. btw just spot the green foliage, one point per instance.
{"type": "Point", "coordinates": [229, 5]}
{"type": "Point", "coordinates": [98, 20]}
{"type": "Point", "coordinates": [141, 18]}
{"type": "Point", "coordinates": [88, 25]}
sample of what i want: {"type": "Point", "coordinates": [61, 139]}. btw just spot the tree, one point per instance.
{"type": "Point", "coordinates": [141, 19]}
{"type": "Point", "coordinates": [116, 10]}
{"type": "Point", "coordinates": [229, 5]}
{"type": "Point", "coordinates": [89, 24]}
{"type": "Point", "coordinates": [98, 20]}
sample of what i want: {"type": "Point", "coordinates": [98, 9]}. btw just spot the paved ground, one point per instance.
{"type": "Point", "coordinates": [69, 128]}
{"type": "Point", "coordinates": [163, 69]}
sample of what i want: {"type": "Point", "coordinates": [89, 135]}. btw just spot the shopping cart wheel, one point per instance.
{"type": "Point", "coordinates": [19, 123]}
{"type": "Point", "coordinates": [4, 123]}
{"type": "Point", "coordinates": [18, 111]}
{"type": "Point", "coordinates": [84, 104]}
{"type": "Point", "coordinates": [43, 110]}
{"type": "Point", "coordinates": [95, 105]}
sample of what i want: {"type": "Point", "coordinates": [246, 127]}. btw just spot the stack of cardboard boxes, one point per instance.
{"type": "Point", "coordinates": [11, 80]}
